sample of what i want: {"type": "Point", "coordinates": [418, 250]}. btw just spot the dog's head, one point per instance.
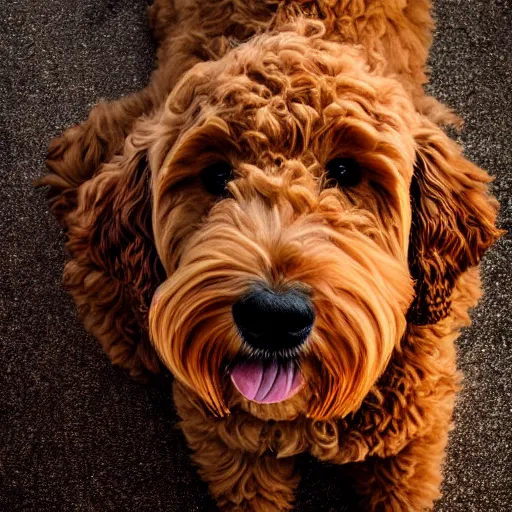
{"type": "Point", "coordinates": [304, 213]}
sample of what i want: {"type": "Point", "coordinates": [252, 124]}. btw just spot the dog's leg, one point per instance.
{"type": "Point", "coordinates": [247, 483]}
{"type": "Point", "coordinates": [243, 476]}
{"type": "Point", "coordinates": [406, 482]}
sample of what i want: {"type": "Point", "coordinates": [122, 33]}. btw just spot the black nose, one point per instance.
{"type": "Point", "coordinates": [274, 321]}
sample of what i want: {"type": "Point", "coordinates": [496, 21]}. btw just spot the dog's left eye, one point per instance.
{"type": "Point", "coordinates": [216, 177]}
{"type": "Point", "coordinates": [345, 172]}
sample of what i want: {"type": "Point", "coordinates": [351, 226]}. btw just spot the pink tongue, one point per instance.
{"type": "Point", "coordinates": [266, 383]}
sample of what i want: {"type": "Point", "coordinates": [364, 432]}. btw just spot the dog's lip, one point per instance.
{"type": "Point", "coordinates": [302, 333]}
{"type": "Point", "coordinates": [266, 382]}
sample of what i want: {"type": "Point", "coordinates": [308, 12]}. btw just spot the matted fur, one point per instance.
{"type": "Point", "coordinates": [278, 88]}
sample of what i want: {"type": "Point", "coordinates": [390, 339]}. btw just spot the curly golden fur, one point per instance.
{"type": "Point", "coordinates": [278, 89]}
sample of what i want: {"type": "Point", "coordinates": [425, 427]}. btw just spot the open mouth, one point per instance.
{"type": "Point", "coordinates": [267, 381]}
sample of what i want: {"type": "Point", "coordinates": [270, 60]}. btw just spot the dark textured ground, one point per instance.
{"type": "Point", "coordinates": [76, 433]}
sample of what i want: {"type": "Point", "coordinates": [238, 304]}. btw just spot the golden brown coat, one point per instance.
{"type": "Point", "coordinates": [279, 88]}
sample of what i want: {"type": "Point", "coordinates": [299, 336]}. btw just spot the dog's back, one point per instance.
{"type": "Point", "coordinates": [396, 33]}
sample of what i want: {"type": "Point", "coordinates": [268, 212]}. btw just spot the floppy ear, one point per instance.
{"type": "Point", "coordinates": [453, 222]}
{"type": "Point", "coordinates": [114, 268]}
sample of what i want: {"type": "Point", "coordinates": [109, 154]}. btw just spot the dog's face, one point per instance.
{"type": "Point", "coordinates": [282, 216]}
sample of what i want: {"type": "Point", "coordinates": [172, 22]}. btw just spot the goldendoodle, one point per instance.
{"type": "Point", "coordinates": [279, 220]}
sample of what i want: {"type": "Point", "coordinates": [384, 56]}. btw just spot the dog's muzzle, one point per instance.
{"type": "Point", "coordinates": [273, 325]}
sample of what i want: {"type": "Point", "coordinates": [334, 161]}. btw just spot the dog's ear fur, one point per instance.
{"type": "Point", "coordinates": [114, 268]}
{"type": "Point", "coordinates": [453, 222]}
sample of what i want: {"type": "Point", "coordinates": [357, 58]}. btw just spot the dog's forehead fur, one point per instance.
{"type": "Point", "coordinates": [299, 97]}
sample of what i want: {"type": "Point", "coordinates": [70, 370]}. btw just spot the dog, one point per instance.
{"type": "Point", "coordinates": [279, 219]}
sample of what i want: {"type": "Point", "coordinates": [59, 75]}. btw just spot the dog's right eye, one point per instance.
{"type": "Point", "coordinates": [344, 172]}
{"type": "Point", "coordinates": [216, 177]}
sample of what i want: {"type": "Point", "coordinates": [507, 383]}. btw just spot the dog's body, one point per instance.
{"type": "Point", "coordinates": [385, 264]}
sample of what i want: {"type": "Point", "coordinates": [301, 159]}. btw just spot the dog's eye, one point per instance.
{"type": "Point", "coordinates": [216, 177]}
{"type": "Point", "coordinates": [344, 172]}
